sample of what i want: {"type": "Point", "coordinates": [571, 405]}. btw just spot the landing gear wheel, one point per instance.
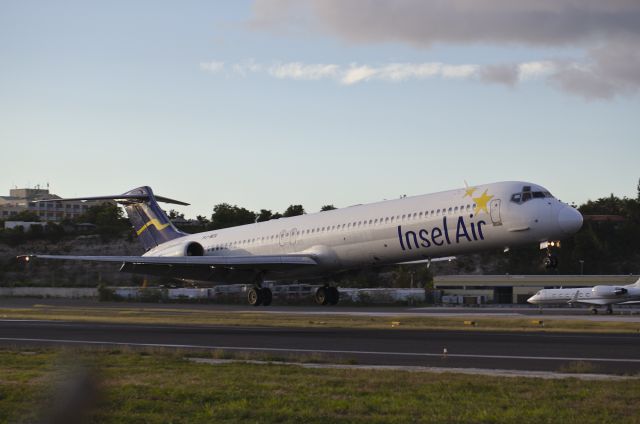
{"type": "Point", "coordinates": [333, 295]}
{"type": "Point", "coordinates": [594, 311]}
{"type": "Point", "coordinates": [609, 310]}
{"type": "Point", "coordinates": [267, 296]}
{"type": "Point", "coordinates": [551, 261]}
{"type": "Point", "coordinates": [322, 296]}
{"type": "Point", "coordinates": [255, 296]}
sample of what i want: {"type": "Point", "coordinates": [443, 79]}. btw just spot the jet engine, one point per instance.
{"type": "Point", "coordinates": [190, 248]}
{"type": "Point", "coordinates": [608, 291]}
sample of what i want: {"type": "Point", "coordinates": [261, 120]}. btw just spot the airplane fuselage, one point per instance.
{"type": "Point", "coordinates": [491, 216]}
{"type": "Point", "coordinates": [598, 295]}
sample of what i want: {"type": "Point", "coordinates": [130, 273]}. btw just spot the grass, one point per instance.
{"type": "Point", "coordinates": [225, 318]}
{"type": "Point", "coordinates": [159, 386]}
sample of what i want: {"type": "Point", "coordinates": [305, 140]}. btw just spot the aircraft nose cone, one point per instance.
{"type": "Point", "coordinates": [533, 299]}
{"type": "Point", "coordinates": [570, 220]}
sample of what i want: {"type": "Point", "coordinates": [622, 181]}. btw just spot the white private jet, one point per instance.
{"type": "Point", "coordinates": [596, 296]}
{"type": "Point", "coordinates": [324, 244]}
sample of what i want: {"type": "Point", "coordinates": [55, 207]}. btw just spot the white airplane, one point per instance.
{"type": "Point", "coordinates": [325, 244]}
{"type": "Point", "coordinates": [596, 296]}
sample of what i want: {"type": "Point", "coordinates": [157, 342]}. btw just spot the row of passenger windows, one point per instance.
{"type": "Point", "coordinates": [453, 210]}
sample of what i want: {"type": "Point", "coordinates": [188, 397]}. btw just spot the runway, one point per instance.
{"type": "Point", "coordinates": [607, 353]}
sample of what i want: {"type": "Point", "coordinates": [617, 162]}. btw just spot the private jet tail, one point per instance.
{"type": "Point", "coordinates": [150, 222]}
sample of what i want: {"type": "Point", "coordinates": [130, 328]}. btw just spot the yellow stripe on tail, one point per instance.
{"type": "Point", "coordinates": [155, 223]}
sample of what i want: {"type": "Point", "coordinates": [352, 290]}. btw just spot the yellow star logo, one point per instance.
{"type": "Point", "coordinates": [481, 202]}
{"type": "Point", "coordinates": [469, 192]}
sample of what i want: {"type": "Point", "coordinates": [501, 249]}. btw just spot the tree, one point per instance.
{"type": "Point", "coordinates": [202, 220]}
{"type": "Point", "coordinates": [293, 210]}
{"type": "Point", "coordinates": [264, 215]}
{"type": "Point", "coordinates": [106, 214]}
{"type": "Point", "coordinates": [174, 214]}
{"type": "Point", "coordinates": [225, 216]}
{"type": "Point", "coordinates": [327, 208]}
{"type": "Point", "coordinates": [26, 216]}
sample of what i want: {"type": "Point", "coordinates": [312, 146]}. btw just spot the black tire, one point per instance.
{"type": "Point", "coordinates": [333, 295]}
{"type": "Point", "coordinates": [594, 311]}
{"type": "Point", "coordinates": [609, 311]}
{"type": "Point", "coordinates": [321, 296]}
{"type": "Point", "coordinates": [254, 296]}
{"type": "Point", "coordinates": [551, 262]}
{"type": "Point", "coordinates": [267, 296]}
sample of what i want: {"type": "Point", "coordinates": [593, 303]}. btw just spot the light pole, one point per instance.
{"type": "Point", "coordinates": [581, 266]}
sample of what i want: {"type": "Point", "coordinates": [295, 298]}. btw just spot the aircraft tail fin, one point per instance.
{"type": "Point", "coordinates": [149, 221]}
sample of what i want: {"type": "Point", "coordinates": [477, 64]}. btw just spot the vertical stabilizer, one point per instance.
{"type": "Point", "coordinates": [150, 222]}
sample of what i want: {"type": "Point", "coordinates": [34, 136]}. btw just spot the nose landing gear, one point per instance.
{"type": "Point", "coordinates": [550, 261]}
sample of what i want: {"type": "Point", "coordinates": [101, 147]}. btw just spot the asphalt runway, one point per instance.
{"type": "Point", "coordinates": [607, 353]}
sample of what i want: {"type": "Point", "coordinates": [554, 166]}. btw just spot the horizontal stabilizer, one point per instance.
{"type": "Point", "coordinates": [120, 198]}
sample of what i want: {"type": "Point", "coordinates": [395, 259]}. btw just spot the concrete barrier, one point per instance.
{"type": "Point", "coordinates": [63, 292]}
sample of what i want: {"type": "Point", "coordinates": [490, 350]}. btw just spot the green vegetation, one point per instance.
{"type": "Point", "coordinates": [198, 316]}
{"type": "Point", "coordinates": [159, 386]}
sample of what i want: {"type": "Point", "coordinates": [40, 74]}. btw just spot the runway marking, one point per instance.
{"type": "Point", "coordinates": [331, 351]}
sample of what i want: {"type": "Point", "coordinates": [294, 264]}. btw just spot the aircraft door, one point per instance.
{"type": "Point", "coordinates": [494, 211]}
{"type": "Point", "coordinates": [294, 235]}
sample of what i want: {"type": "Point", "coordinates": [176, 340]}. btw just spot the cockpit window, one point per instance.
{"type": "Point", "coordinates": [527, 194]}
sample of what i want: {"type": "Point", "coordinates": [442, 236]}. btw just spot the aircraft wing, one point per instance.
{"type": "Point", "coordinates": [428, 261]}
{"type": "Point", "coordinates": [235, 262]}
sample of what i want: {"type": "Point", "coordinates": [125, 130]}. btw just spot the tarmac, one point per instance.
{"type": "Point", "coordinates": [539, 351]}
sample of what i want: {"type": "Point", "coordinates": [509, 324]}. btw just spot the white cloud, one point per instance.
{"type": "Point", "coordinates": [577, 77]}
{"type": "Point", "coordinates": [532, 70]}
{"type": "Point", "coordinates": [300, 71]}
{"type": "Point", "coordinates": [356, 74]}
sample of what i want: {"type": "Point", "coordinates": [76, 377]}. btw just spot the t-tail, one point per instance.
{"type": "Point", "coordinates": [150, 223]}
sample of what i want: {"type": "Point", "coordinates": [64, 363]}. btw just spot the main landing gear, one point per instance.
{"type": "Point", "coordinates": [257, 296]}
{"type": "Point", "coordinates": [327, 295]}
{"type": "Point", "coordinates": [607, 311]}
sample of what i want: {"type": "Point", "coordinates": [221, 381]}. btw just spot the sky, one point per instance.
{"type": "Point", "coordinates": [268, 103]}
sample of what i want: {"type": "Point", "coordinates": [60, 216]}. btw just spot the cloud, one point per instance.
{"type": "Point", "coordinates": [300, 71]}
{"type": "Point", "coordinates": [392, 72]}
{"type": "Point", "coordinates": [425, 22]}
{"type": "Point", "coordinates": [607, 32]}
